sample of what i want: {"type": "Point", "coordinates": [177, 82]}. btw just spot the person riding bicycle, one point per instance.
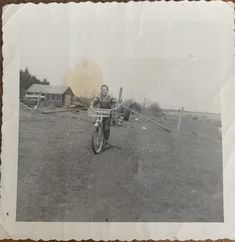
{"type": "Point", "coordinates": [104, 100]}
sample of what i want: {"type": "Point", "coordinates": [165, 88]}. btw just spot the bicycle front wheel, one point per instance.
{"type": "Point", "coordinates": [97, 140]}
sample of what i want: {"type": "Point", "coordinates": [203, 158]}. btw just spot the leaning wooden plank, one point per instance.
{"type": "Point", "coordinates": [147, 118]}
{"type": "Point", "coordinates": [26, 106]}
{"type": "Point", "coordinates": [54, 111]}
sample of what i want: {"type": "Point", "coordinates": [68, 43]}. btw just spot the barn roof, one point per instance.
{"type": "Point", "coordinates": [47, 89]}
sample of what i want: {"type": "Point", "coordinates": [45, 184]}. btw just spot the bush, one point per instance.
{"type": "Point", "coordinates": [133, 105]}
{"type": "Point", "coordinates": [155, 109]}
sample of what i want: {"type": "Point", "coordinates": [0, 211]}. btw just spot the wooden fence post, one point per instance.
{"type": "Point", "coordinates": [180, 118]}
{"type": "Point", "coordinates": [118, 111]}
{"type": "Point", "coordinates": [120, 94]}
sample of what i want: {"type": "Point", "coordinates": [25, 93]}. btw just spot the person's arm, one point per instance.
{"type": "Point", "coordinates": [113, 100]}
{"type": "Point", "coordinates": [115, 103]}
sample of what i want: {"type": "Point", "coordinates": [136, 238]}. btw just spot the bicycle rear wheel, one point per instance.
{"type": "Point", "coordinates": [97, 140]}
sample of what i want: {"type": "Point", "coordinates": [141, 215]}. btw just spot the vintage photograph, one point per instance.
{"type": "Point", "coordinates": [119, 114]}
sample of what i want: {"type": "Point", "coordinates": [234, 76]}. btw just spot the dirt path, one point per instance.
{"type": "Point", "coordinates": [146, 175]}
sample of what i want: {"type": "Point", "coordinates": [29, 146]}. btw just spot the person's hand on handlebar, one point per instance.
{"type": "Point", "coordinates": [116, 106]}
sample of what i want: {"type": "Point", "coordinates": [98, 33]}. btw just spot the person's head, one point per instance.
{"type": "Point", "coordinates": [104, 90]}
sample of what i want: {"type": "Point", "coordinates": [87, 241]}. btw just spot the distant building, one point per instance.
{"type": "Point", "coordinates": [55, 95]}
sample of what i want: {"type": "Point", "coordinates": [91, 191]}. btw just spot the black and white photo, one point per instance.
{"type": "Point", "coordinates": [121, 113]}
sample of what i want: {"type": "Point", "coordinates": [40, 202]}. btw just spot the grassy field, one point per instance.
{"type": "Point", "coordinates": [147, 174]}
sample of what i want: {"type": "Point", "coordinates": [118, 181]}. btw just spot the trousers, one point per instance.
{"type": "Point", "coordinates": [106, 128]}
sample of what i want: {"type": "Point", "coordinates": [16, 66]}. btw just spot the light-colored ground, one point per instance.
{"type": "Point", "coordinates": [146, 175]}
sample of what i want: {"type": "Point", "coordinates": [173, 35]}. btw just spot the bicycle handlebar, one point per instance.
{"type": "Point", "coordinates": [105, 109]}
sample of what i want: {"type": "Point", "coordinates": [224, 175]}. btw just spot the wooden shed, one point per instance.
{"type": "Point", "coordinates": [55, 95]}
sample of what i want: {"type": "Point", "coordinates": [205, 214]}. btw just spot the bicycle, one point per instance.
{"type": "Point", "coordinates": [97, 138]}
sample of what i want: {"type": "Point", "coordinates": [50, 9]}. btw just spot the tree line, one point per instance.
{"type": "Point", "coordinates": [27, 79]}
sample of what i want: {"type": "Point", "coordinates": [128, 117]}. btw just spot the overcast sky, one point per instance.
{"type": "Point", "coordinates": [178, 54]}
